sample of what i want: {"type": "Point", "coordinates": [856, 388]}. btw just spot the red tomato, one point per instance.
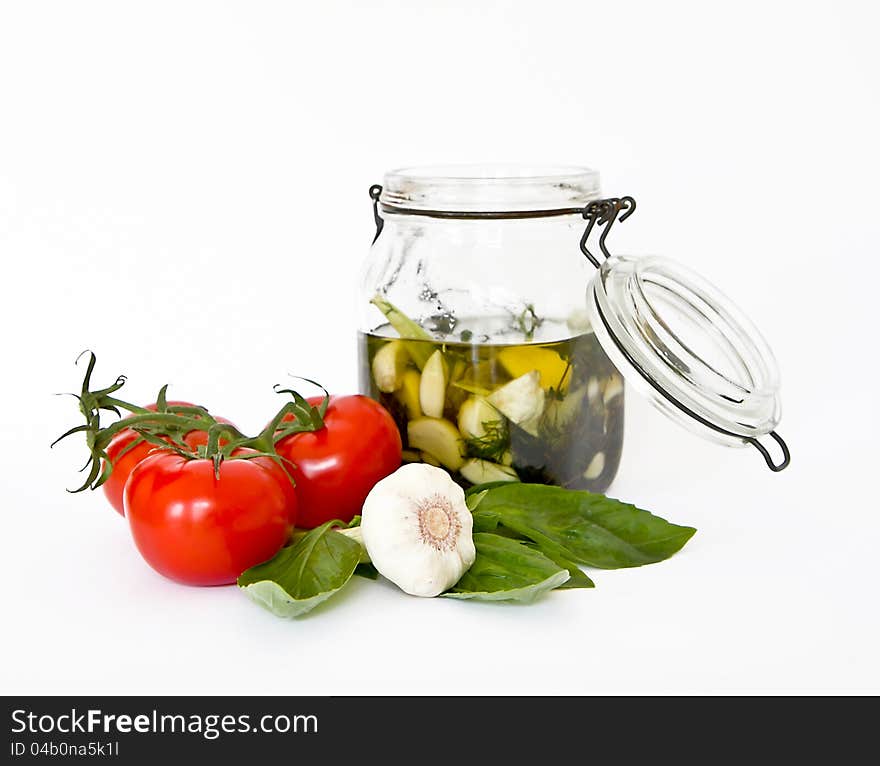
{"type": "Point", "coordinates": [337, 465]}
{"type": "Point", "coordinates": [284, 477]}
{"type": "Point", "coordinates": [123, 466]}
{"type": "Point", "coordinates": [200, 530]}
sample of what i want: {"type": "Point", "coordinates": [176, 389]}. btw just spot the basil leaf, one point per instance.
{"type": "Point", "coordinates": [304, 574]}
{"type": "Point", "coordinates": [367, 570]}
{"type": "Point", "coordinates": [507, 570]}
{"type": "Point", "coordinates": [580, 526]}
{"type": "Point", "coordinates": [472, 500]}
{"type": "Point", "coordinates": [486, 521]}
{"type": "Point", "coordinates": [577, 579]}
{"type": "Point", "coordinates": [491, 522]}
{"type": "Point", "coordinates": [480, 489]}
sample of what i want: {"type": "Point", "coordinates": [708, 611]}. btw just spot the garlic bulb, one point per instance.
{"type": "Point", "coordinates": [418, 530]}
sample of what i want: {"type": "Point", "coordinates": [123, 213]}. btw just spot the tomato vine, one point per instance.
{"type": "Point", "coordinates": [167, 425]}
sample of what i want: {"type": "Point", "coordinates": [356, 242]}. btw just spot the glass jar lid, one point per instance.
{"type": "Point", "coordinates": [687, 347]}
{"type": "Point", "coordinates": [489, 190]}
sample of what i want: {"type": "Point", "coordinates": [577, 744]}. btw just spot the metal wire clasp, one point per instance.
{"type": "Point", "coordinates": [375, 192]}
{"type": "Point", "coordinates": [604, 212]}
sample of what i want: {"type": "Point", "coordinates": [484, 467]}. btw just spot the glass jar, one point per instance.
{"type": "Point", "coordinates": [501, 350]}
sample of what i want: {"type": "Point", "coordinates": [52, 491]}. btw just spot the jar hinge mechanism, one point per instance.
{"type": "Point", "coordinates": [604, 212]}
{"type": "Point", "coordinates": [375, 192]}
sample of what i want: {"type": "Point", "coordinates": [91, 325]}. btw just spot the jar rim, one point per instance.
{"type": "Point", "coordinates": [491, 188]}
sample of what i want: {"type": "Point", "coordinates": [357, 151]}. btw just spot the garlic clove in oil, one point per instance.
{"type": "Point", "coordinates": [478, 471]}
{"type": "Point", "coordinates": [476, 416]}
{"type": "Point", "coordinates": [408, 394]}
{"type": "Point", "coordinates": [418, 531]}
{"type": "Point", "coordinates": [438, 437]}
{"type": "Point", "coordinates": [432, 386]}
{"type": "Point", "coordinates": [389, 366]}
{"type": "Point", "coordinates": [521, 401]}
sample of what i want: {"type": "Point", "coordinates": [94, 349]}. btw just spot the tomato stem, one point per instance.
{"type": "Point", "coordinates": [167, 426]}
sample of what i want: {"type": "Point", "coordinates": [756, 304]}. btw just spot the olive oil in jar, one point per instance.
{"type": "Point", "coordinates": [548, 412]}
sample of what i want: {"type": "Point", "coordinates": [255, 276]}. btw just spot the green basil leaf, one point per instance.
{"type": "Point", "coordinates": [577, 579]}
{"type": "Point", "coordinates": [491, 522]}
{"type": "Point", "coordinates": [580, 526]}
{"type": "Point", "coordinates": [486, 521]}
{"type": "Point", "coordinates": [480, 489]}
{"type": "Point", "coordinates": [473, 500]}
{"type": "Point", "coordinates": [303, 575]}
{"type": "Point", "coordinates": [507, 570]}
{"type": "Point", "coordinates": [367, 570]}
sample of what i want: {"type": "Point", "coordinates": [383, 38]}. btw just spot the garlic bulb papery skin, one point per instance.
{"type": "Point", "coordinates": [418, 530]}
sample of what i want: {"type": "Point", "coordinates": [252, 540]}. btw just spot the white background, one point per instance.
{"type": "Point", "coordinates": [183, 190]}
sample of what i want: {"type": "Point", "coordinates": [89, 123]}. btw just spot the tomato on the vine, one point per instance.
{"type": "Point", "coordinates": [199, 528]}
{"type": "Point", "coordinates": [336, 466]}
{"type": "Point", "coordinates": [123, 466]}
